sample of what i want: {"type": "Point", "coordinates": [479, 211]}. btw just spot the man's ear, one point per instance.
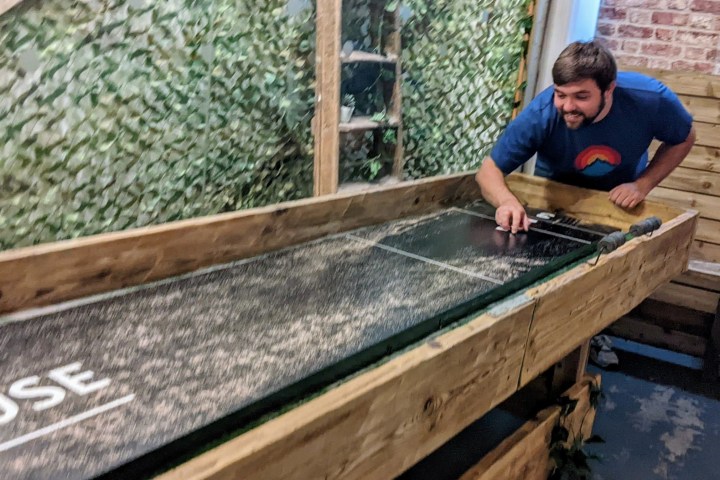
{"type": "Point", "coordinates": [611, 87]}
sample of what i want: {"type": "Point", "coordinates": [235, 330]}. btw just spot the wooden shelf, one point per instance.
{"type": "Point", "coordinates": [359, 124]}
{"type": "Point", "coordinates": [358, 56]}
{"type": "Point", "coordinates": [330, 131]}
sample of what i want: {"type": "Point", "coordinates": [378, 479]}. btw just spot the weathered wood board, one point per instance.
{"type": "Point", "coordinates": [525, 455]}
{"type": "Point", "coordinates": [46, 274]}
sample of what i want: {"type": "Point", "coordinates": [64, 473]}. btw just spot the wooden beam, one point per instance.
{"type": "Point", "coordinates": [45, 274]}
{"type": "Point", "coordinates": [570, 370]}
{"type": "Point", "coordinates": [708, 134]}
{"type": "Point", "coordinates": [639, 330]}
{"type": "Point", "coordinates": [687, 83]}
{"type": "Point", "coordinates": [362, 123]}
{"type": "Point", "coordinates": [711, 361]}
{"type": "Point", "coordinates": [525, 455]}
{"type": "Point", "coordinates": [708, 230]}
{"type": "Point", "coordinates": [522, 69]}
{"type": "Point", "coordinates": [382, 422]}
{"type": "Point", "coordinates": [687, 296]}
{"type": "Point", "coordinates": [327, 97]}
{"type": "Point", "coordinates": [673, 317]}
{"type": "Point", "coordinates": [705, 251]}
{"type": "Point", "coordinates": [690, 180]}
{"type": "Point", "coordinates": [602, 293]}
{"type": "Point", "coordinates": [589, 205]}
{"type": "Point", "coordinates": [398, 168]}
{"type": "Point", "coordinates": [357, 56]}
{"type": "Point", "coordinates": [702, 274]}
{"type": "Point", "coordinates": [699, 158]}
{"type": "Point", "coordinates": [703, 109]}
{"type": "Point", "coordinates": [707, 205]}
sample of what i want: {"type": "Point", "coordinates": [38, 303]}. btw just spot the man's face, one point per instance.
{"type": "Point", "coordinates": [580, 103]}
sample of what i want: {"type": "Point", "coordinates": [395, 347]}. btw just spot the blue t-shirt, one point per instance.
{"type": "Point", "coordinates": [601, 155]}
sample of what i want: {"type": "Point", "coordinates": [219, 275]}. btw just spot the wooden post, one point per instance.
{"type": "Point", "coordinates": [327, 98]}
{"type": "Point", "coordinates": [522, 73]}
{"type": "Point", "coordinates": [711, 363]}
{"type": "Point", "coordinates": [570, 370]}
{"type": "Point", "coordinates": [396, 107]}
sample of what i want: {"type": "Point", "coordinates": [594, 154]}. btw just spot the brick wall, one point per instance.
{"type": "Point", "coordinates": [665, 34]}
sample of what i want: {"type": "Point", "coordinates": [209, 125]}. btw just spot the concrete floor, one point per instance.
{"type": "Point", "coordinates": [660, 420]}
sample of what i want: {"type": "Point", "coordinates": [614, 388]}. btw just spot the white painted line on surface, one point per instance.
{"type": "Point", "coordinates": [554, 234]}
{"type": "Point", "coordinates": [424, 259]}
{"type": "Point", "coordinates": [65, 423]}
{"type": "Point", "coordinates": [560, 235]}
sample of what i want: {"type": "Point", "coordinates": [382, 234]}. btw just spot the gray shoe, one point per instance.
{"type": "Point", "coordinates": [601, 353]}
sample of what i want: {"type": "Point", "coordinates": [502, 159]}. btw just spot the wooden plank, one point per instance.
{"type": "Point", "coordinates": [327, 98]}
{"type": "Point", "coordinates": [588, 205]}
{"type": "Point", "coordinates": [708, 134]}
{"type": "Point", "coordinates": [701, 274]}
{"type": "Point", "coordinates": [687, 296]}
{"type": "Point", "coordinates": [396, 100]}
{"type": "Point", "coordinates": [673, 317]}
{"type": "Point", "coordinates": [522, 69]}
{"type": "Point", "coordinates": [705, 251]}
{"type": "Point", "coordinates": [382, 422]}
{"type": "Point", "coordinates": [525, 455]}
{"type": "Point", "coordinates": [699, 158]}
{"type": "Point", "coordinates": [707, 205]}
{"type": "Point", "coordinates": [703, 109]}
{"type": "Point", "coordinates": [708, 230]}
{"type": "Point", "coordinates": [570, 370]}
{"type": "Point", "coordinates": [363, 123]}
{"type": "Point", "coordinates": [687, 83]}
{"type": "Point", "coordinates": [602, 293]}
{"type": "Point", "coordinates": [46, 274]}
{"type": "Point", "coordinates": [638, 330]}
{"type": "Point", "coordinates": [689, 180]}
{"type": "Point", "coordinates": [581, 420]}
{"type": "Point", "coordinates": [711, 361]}
{"type": "Point", "coordinates": [357, 56]}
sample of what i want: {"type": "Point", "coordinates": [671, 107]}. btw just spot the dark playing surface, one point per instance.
{"type": "Point", "coordinates": [170, 358]}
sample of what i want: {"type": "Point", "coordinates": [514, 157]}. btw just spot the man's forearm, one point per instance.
{"type": "Point", "coordinates": [666, 159]}
{"type": "Point", "coordinates": [492, 184]}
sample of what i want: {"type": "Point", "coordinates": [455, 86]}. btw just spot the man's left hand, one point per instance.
{"type": "Point", "coordinates": [627, 195]}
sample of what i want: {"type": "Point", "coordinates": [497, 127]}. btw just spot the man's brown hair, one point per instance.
{"type": "Point", "coordinates": [582, 60]}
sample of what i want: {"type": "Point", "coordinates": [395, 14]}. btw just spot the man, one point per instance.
{"type": "Point", "coordinates": [591, 129]}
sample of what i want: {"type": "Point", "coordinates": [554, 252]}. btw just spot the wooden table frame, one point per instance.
{"type": "Point", "coordinates": [384, 419]}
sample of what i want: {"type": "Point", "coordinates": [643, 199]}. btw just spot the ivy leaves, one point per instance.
{"type": "Point", "coordinates": [461, 61]}
{"type": "Point", "coordinates": [134, 113]}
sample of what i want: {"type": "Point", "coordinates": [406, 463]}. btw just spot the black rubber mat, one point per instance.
{"type": "Point", "coordinates": [119, 384]}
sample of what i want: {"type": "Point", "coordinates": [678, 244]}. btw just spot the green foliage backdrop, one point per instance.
{"type": "Point", "coordinates": [118, 113]}
{"type": "Point", "coordinates": [123, 113]}
{"type": "Point", "coordinates": [461, 60]}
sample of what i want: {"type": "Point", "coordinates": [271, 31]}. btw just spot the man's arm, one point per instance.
{"type": "Point", "coordinates": [666, 159]}
{"type": "Point", "coordinates": [509, 213]}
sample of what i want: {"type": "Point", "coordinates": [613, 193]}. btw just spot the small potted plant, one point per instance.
{"type": "Point", "coordinates": [347, 108]}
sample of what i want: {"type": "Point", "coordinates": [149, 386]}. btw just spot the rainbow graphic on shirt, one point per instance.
{"type": "Point", "coordinates": [597, 160]}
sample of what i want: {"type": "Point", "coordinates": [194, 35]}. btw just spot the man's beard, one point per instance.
{"type": "Point", "coordinates": [585, 119]}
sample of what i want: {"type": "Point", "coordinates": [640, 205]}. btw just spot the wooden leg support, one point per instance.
{"type": "Point", "coordinates": [711, 364]}
{"type": "Point", "coordinates": [570, 370]}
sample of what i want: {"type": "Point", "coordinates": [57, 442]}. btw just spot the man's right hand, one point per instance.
{"type": "Point", "coordinates": [512, 216]}
{"type": "Point", "coordinates": [510, 213]}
